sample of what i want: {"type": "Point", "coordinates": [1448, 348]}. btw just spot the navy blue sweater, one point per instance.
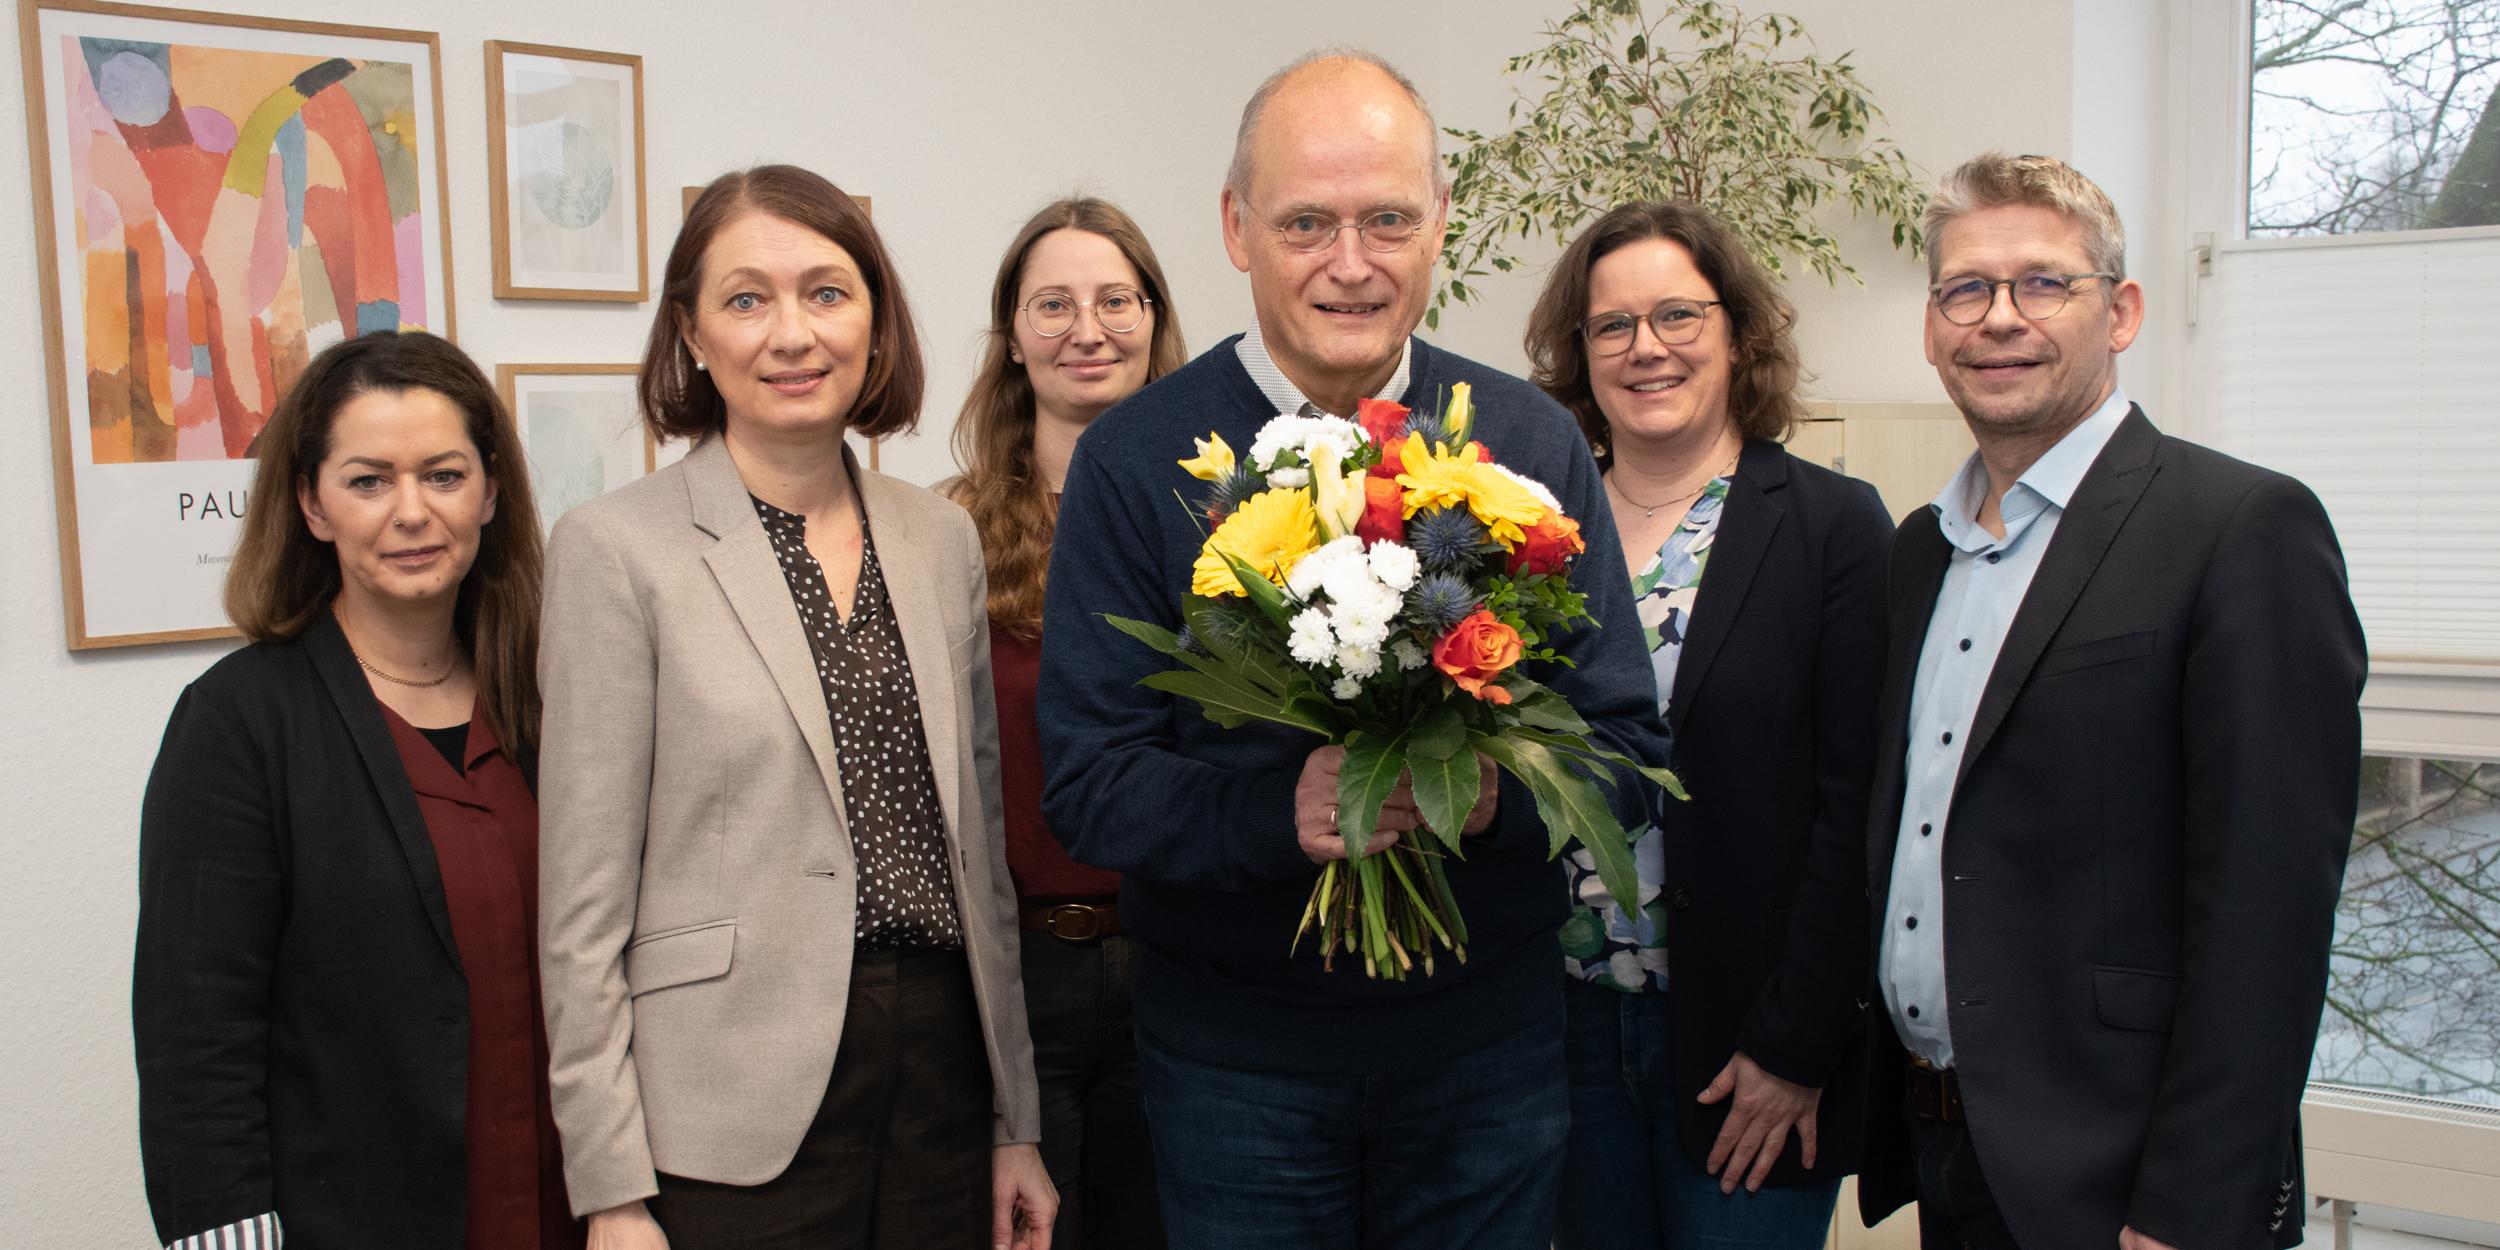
{"type": "Point", "coordinates": [1199, 819]}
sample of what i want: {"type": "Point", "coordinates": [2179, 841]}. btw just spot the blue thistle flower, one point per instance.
{"type": "Point", "coordinates": [1425, 424]}
{"type": "Point", "coordinates": [1440, 601]}
{"type": "Point", "coordinates": [1447, 539]}
{"type": "Point", "coordinates": [1187, 640]}
{"type": "Point", "coordinates": [1227, 493]}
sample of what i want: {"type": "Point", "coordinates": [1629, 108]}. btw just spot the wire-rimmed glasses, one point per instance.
{"type": "Point", "coordinates": [2038, 295]}
{"type": "Point", "coordinates": [1053, 313]}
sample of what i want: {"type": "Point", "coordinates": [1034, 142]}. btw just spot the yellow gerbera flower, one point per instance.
{"type": "Point", "coordinates": [1438, 479]}
{"type": "Point", "coordinates": [1271, 532]}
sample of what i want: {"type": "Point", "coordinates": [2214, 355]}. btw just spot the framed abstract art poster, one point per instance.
{"type": "Point", "coordinates": [564, 173]}
{"type": "Point", "coordinates": [581, 426]}
{"type": "Point", "coordinates": [217, 198]}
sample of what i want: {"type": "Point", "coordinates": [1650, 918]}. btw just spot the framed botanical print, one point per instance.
{"type": "Point", "coordinates": [565, 173]}
{"type": "Point", "coordinates": [581, 426]}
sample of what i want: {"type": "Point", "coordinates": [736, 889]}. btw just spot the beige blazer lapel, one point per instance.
{"type": "Point", "coordinates": [904, 556]}
{"type": "Point", "coordinates": [751, 579]}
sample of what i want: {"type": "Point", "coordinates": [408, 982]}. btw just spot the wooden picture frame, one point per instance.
{"type": "Point", "coordinates": [582, 428]}
{"type": "Point", "coordinates": [297, 162]}
{"type": "Point", "coordinates": [569, 220]}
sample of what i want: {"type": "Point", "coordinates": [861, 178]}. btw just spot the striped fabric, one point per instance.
{"type": "Point", "coordinates": [257, 1233]}
{"type": "Point", "coordinates": [1288, 398]}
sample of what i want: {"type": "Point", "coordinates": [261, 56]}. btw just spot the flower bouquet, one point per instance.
{"type": "Point", "coordinates": [1379, 582]}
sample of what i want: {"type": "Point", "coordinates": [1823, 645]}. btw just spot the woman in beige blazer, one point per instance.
{"type": "Point", "coordinates": [778, 934]}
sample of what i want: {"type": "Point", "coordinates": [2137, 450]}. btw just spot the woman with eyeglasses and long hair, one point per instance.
{"type": "Point", "coordinates": [336, 991]}
{"type": "Point", "coordinates": [1080, 319]}
{"type": "Point", "coordinates": [1713, 1030]}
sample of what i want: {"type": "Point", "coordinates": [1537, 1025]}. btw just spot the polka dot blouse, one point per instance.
{"type": "Point", "coordinates": [898, 830]}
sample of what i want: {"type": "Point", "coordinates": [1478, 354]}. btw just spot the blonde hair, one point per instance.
{"type": "Point", "coordinates": [1993, 179]}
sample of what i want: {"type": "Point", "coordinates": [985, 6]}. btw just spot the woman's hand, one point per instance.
{"type": "Point", "coordinates": [1756, 1130]}
{"type": "Point", "coordinates": [1023, 1203]}
{"type": "Point", "coordinates": [629, 1227]}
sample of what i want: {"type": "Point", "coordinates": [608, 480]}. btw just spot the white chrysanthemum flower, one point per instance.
{"type": "Point", "coordinates": [1363, 633]}
{"type": "Point", "coordinates": [1310, 573]}
{"type": "Point", "coordinates": [1311, 640]}
{"type": "Point", "coordinates": [1533, 487]}
{"type": "Point", "coordinates": [1289, 435]}
{"type": "Point", "coordinates": [1346, 689]}
{"type": "Point", "coordinates": [1394, 565]}
{"type": "Point", "coordinates": [1290, 479]}
{"type": "Point", "coordinates": [1357, 661]}
{"type": "Point", "coordinates": [1410, 657]}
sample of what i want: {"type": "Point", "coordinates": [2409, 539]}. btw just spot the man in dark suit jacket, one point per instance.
{"type": "Point", "coordinates": [2117, 779]}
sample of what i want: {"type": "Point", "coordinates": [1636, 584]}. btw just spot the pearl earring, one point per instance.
{"type": "Point", "coordinates": [700, 367]}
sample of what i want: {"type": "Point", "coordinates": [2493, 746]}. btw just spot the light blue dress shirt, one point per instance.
{"type": "Point", "coordinates": [1984, 583]}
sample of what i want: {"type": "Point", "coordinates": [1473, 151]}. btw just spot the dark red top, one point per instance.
{"type": "Point", "coordinates": [1040, 865]}
{"type": "Point", "coordinates": [484, 827]}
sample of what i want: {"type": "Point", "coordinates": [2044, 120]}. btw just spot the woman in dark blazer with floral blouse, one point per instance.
{"type": "Point", "coordinates": [1713, 1027]}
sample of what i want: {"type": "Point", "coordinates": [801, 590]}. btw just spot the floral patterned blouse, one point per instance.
{"type": "Point", "coordinates": [1603, 942]}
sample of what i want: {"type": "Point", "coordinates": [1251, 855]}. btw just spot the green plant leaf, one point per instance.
{"type": "Point", "coordinates": [1370, 771]}
{"type": "Point", "coordinates": [1572, 808]}
{"type": "Point", "coordinates": [1152, 635]}
{"type": "Point", "coordinates": [1446, 791]}
{"type": "Point", "coordinates": [1228, 704]}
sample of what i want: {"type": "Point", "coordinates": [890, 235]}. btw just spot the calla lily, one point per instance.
{"type": "Point", "coordinates": [1461, 413]}
{"type": "Point", "coordinates": [1338, 499]}
{"type": "Point", "coordinates": [1214, 460]}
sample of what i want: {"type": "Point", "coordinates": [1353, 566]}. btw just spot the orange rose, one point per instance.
{"type": "Point", "coordinates": [1475, 651]}
{"type": "Point", "coordinates": [1548, 546]}
{"type": "Point", "coordinates": [1384, 512]}
{"type": "Point", "coordinates": [1380, 419]}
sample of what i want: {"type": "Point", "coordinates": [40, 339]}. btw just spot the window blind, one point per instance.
{"type": "Point", "coordinates": [2370, 370]}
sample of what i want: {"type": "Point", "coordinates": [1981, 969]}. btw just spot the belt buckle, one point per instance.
{"type": "Point", "coordinates": [1074, 922]}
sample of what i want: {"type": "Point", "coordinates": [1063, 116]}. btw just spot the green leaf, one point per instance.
{"type": "Point", "coordinates": [1571, 807]}
{"type": "Point", "coordinates": [1446, 791]}
{"type": "Point", "coordinates": [1372, 764]}
{"type": "Point", "coordinates": [1152, 635]}
{"type": "Point", "coordinates": [1228, 704]}
{"type": "Point", "coordinates": [1543, 709]}
{"type": "Point", "coordinates": [1438, 734]}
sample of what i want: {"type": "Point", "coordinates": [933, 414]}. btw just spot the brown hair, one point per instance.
{"type": "Point", "coordinates": [1762, 393]}
{"type": "Point", "coordinates": [679, 400]}
{"type": "Point", "coordinates": [283, 578]}
{"type": "Point", "coordinates": [1008, 500]}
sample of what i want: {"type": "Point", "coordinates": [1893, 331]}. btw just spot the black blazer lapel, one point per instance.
{"type": "Point", "coordinates": [345, 681]}
{"type": "Point", "coordinates": [1920, 555]}
{"type": "Point", "coordinates": [2108, 492]}
{"type": "Point", "coordinates": [1751, 515]}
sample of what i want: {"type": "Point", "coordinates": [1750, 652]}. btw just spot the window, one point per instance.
{"type": "Point", "coordinates": [2413, 987]}
{"type": "Point", "coordinates": [2368, 115]}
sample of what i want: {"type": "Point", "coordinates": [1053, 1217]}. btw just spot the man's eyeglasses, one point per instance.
{"type": "Point", "coordinates": [2038, 295]}
{"type": "Point", "coordinates": [1387, 230]}
{"type": "Point", "coordinates": [1675, 322]}
{"type": "Point", "coordinates": [1053, 313]}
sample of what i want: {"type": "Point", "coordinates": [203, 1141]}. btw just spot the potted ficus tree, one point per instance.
{"type": "Point", "coordinates": [1701, 103]}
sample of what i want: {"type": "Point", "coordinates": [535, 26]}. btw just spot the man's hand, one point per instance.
{"type": "Point", "coordinates": [1315, 810]}
{"type": "Point", "coordinates": [1756, 1130]}
{"type": "Point", "coordinates": [1023, 1203]}
{"type": "Point", "coordinates": [627, 1227]}
{"type": "Point", "coordinates": [2129, 1239]}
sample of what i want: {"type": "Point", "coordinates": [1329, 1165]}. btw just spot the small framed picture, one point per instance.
{"type": "Point", "coordinates": [565, 173]}
{"type": "Point", "coordinates": [581, 426]}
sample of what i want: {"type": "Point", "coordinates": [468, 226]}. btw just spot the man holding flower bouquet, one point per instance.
{"type": "Point", "coordinates": [1313, 1079]}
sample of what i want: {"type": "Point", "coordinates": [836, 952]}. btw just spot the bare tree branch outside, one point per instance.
{"type": "Point", "coordinates": [2413, 991]}
{"type": "Point", "coordinates": [2370, 115]}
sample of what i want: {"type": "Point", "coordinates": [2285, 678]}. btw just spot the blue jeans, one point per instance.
{"type": "Point", "coordinates": [1627, 1183]}
{"type": "Point", "coordinates": [1459, 1154]}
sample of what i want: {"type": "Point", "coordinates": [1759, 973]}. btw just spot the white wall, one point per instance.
{"type": "Point", "coordinates": [959, 120]}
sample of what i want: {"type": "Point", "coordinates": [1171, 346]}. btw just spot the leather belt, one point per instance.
{"type": "Point", "coordinates": [1071, 922]}
{"type": "Point", "coordinates": [1935, 1093]}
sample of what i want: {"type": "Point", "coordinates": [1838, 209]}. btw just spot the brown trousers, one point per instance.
{"type": "Point", "coordinates": [898, 1157]}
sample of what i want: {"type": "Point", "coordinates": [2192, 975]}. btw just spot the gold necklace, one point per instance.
{"type": "Point", "coordinates": [368, 665]}
{"type": "Point", "coordinates": [1650, 510]}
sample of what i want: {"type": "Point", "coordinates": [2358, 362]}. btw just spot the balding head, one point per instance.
{"type": "Point", "coordinates": [1345, 87]}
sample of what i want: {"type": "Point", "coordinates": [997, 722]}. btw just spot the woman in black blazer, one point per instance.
{"type": "Point", "coordinates": [1713, 1027]}
{"type": "Point", "coordinates": [335, 994]}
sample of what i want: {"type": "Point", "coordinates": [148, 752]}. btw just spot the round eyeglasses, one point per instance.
{"type": "Point", "coordinates": [1053, 313]}
{"type": "Point", "coordinates": [1384, 231]}
{"type": "Point", "coordinates": [2038, 295]}
{"type": "Point", "coordinates": [1675, 322]}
